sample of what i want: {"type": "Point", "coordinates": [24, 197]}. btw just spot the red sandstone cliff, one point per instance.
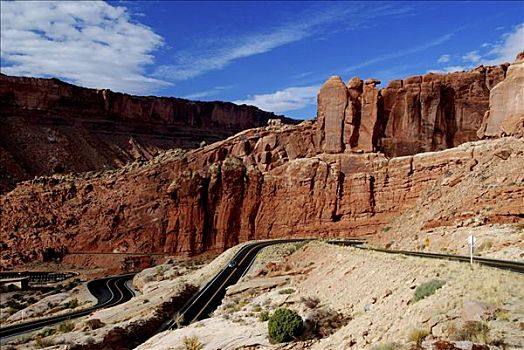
{"type": "Point", "coordinates": [48, 126]}
{"type": "Point", "coordinates": [278, 181]}
{"type": "Point", "coordinates": [418, 114]}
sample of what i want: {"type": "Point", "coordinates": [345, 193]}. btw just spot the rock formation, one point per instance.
{"type": "Point", "coordinates": [417, 114]}
{"type": "Point", "coordinates": [48, 126]}
{"type": "Point", "coordinates": [506, 104]}
{"type": "Point", "coordinates": [311, 179]}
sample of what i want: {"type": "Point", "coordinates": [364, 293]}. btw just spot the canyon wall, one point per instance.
{"type": "Point", "coordinates": [48, 126]}
{"type": "Point", "coordinates": [247, 187]}
{"type": "Point", "coordinates": [316, 179]}
{"type": "Point", "coordinates": [418, 114]}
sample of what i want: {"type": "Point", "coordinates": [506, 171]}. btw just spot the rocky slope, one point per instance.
{"type": "Point", "coordinates": [355, 299]}
{"type": "Point", "coordinates": [48, 126]}
{"type": "Point", "coordinates": [310, 179]}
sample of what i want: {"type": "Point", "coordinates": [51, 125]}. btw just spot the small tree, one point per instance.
{"type": "Point", "coordinates": [284, 325]}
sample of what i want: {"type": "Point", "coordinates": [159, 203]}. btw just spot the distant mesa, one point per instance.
{"type": "Point", "coordinates": [49, 126]}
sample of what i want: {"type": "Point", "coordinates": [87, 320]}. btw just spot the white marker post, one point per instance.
{"type": "Point", "coordinates": [471, 242]}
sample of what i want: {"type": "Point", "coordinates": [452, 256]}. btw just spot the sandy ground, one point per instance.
{"type": "Point", "coordinates": [156, 286]}
{"type": "Point", "coordinates": [364, 299]}
{"type": "Point", "coordinates": [52, 303]}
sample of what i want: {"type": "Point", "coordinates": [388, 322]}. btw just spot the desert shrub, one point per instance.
{"type": "Point", "coordinates": [475, 331]}
{"type": "Point", "coordinates": [486, 245]}
{"type": "Point", "coordinates": [94, 323]}
{"type": "Point", "coordinates": [286, 291]}
{"type": "Point", "coordinates": [72, 304]}
{"type": "Point", "coordinates": [191, 343]}
{"type": "Point", "coordinates": [322, 322]}
{"type": "Point", "coordinates": [13, 304]}
{"type": "Point", "coordinates": [256, 308]}
{"type": "Point", "coordinates": [66, 327]}
{"type": "Point", "coordinates": [46, 332]}
{"type": "Point", "coordinates": [417, 336]}
{"type": "Point", "coordinates": [284, 325]}
{"type": "Point", "coordinates": [386, 346]}
{"type": "Point", "coordinates": [31, 300]}
{"type": "Point", "coordinates": [44, 343]}
{"type": "Point", "coordinates": [427, 289]}
{"type": "Point", "coordinates": [386, 228]}
{"type": "Point", "coordinates": [311, 302]}
{"type": "Point", "coordinates": [263, 316]}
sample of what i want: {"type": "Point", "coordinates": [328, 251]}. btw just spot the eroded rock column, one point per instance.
{"type": "Point", "coordinates": [332, 102]}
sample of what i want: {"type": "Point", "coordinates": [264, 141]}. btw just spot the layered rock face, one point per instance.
{"type": "Point", "coordinates": [417, 114]}
{"type": "Point", "coordinates": [506, 104]}
{"type": "Point", "coordinates": [212, 198]}
{"type": "Point", "coordinates": [48, 126]}
{"type": "Point", "coordinates": [304, 180]}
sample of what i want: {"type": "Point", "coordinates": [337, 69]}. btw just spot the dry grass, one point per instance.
{"type": "Point", "coordinates": [191, 343]}
{"type": "Point", "coordinates": [417, 336]}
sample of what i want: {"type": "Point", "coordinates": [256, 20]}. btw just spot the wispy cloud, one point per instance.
{"type": "Point", "coordinates": [489, 54]}
{"type": "Point", "coordinates": [220, 52]}
{"type": "Point", "coordinates": [444, 58]}
{"type": "Point", "coordinates": [472, 56]}
{"type": "Point", "coordinates": [507, 48]}
{"type": "Point", "coordinates": [211, 92]}
{"type": "Point", "coordinates": [90, 43]}
{"type": "Point", "coordinates": [400, 53]}
{"type": "Point", "coordinates": [285, 100]}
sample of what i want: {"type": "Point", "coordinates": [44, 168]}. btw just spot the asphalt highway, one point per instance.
{"type": "Point", "coordinates": [109, 291]}
{"type": "Point", "coordinates": [514, 266]}
{"type": "Point", "coordinates": [210, 296]}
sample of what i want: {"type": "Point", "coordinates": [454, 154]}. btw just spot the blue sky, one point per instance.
{"type": "Point", "coordinates": [271, 54]}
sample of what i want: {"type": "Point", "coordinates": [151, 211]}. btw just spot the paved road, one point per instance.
{"type": "Point", "coordinates": [499, 264]}
{"type": "Point", "coordinates": [210, 296]}
{"type": "Point", "coordinates": [109, 291]}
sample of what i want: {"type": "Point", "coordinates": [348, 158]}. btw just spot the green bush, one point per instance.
{"type": "Point", "coordinates": [72, 304]}
{"type": "Point", "coordinates": [263, 316]}
{"type": "Point", "coordinates": [66, 327]}
{"type": "Point", "coordinates": [42, 343]}
{"type": "Point", "coordinates": [427, 289]}
{"type": "Point", "coordinates": [46, 332]}
{"type": "Point", "coordinates": [287, 291]}
{"type": "Point", "coordinates": [284, 325]}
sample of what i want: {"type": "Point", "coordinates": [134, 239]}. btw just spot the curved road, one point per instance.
{"type": "Point", "coordinates": [109, 291]}
{"type": "Point", "coordinates": [210, 296]}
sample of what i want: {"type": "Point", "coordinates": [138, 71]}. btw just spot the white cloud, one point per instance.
{"type": "Point", "coordinates": [491, 54]}
{"type": "Point", "coordinates": [444, 58]}
{"type": "Point", "coordinates": [507, 48]}
{"type": "Point", "coordinates": [88, 43]}
{"type": "Point", "coordinates": [218, 53]}
{"type": "Point", "coordinates": [449, 69]}
{"type": "Point", "coordinates": [400, 53]}
{"type": "Point", "coordinates": [289, 99]}
{"type": "Point", "coordinates": [189, 65]}
{"type": "Point", "coordinates": [211, 92]}
{"type": "Point", "coordinates": [472, 56]}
